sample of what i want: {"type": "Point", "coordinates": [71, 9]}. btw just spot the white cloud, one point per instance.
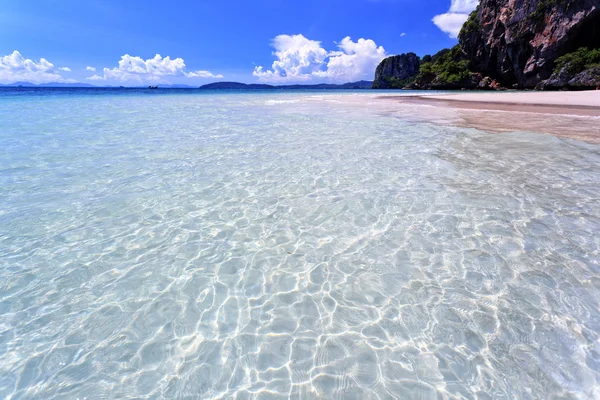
{"type": "Point", "coordinates": [403, 34]}
{"type": "Point", "coordinates": [136, 69]}
{"type": "Point", "coordinates": [453, 20]}
{"type": "Point", "coordinates": [355, 60]}
{"type": "Point", "coordinates": [298, 58]}
{"type": "Point", "coordinates": [463, 6]}
{"type": "Point", "coordinates": [66, 69]}
{"type": "Point", "coordinates": [14, 67]}
{"type": "Point", "coordinates": [301, 59]}
{"type": "Point", "coordinates": [202, 74]}
{"type": "Point", "coordinates": [95, 78]}
{"type": "Point", "coordinates": [90, 69]}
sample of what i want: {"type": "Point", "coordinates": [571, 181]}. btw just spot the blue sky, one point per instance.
{"type": "Point", "coordinates": [204, 41]}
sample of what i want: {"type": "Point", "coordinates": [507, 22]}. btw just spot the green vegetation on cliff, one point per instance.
{"type": "Point", "coordinates": [578, 61]}
{"type": "Point", "coordinates": [447, 67]}
{"type": "Point", "coordinates": [472, 24]}
{"type": "Point", "coordinates": [391, 82]}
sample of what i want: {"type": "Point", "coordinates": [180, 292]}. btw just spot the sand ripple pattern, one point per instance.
{"type": "Point", "coordinates": [290, 246]}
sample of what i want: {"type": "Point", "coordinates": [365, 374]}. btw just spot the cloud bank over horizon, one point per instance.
{"type": "Point", "coordinates": [303, 59]}
{"type": "Point", "coordinates": [452, 21]}
{"type": "Point", "coordinates": [16, 68]}
{"type": "Point", "coordinates": [153, 70]}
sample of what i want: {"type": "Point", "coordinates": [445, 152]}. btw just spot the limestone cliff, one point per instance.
{"type": "Point", "coordinates": [397, 72]}
{"type": "Point", "coordinates": [511, 44]}
{"type": "Point", "coordinates": [518, 41]}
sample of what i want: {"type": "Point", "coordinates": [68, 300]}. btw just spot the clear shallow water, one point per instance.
{"type": "Point", "coordinates": [281, 245]}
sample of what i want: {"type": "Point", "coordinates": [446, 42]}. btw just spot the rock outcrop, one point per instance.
{"type": "Point", "coordinates": [565, 80]}
{"type": "Point", "coordinates": [517, 41]}
{"type": "Point", "coordinates": [397, 72]}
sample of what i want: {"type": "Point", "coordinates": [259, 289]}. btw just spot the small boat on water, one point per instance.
{"type": "Point", "coordinates": [152, 87]}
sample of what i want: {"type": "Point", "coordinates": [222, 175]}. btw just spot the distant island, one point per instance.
{"type": "Point", "coordinates": [509, 44]}
{"type": "Point", "coordinates": [211, 86]}
{"type": "Point", "coordinates": [49, 85]}
{"type": "Point", "coordinates": [87, 85]}
{"type": "Point", "coordinates": [260, 86]}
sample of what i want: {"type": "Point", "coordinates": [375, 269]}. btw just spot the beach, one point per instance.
{"type": "Point", "coordinates": [574, 115]}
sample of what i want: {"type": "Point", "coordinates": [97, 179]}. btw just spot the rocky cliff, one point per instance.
{"type": "Point", "coordinates": [518, 41]}
{"type": "Point", "coordinates": [397, 72]}
{"type": "Point", "coordinates": [526, 44]}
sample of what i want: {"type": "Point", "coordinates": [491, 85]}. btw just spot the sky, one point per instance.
{"type": "Point", "coordinates": [194, 42]}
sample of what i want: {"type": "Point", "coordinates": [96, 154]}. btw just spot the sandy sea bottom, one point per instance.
{"type": "Point", "coordinates": [262, 246]}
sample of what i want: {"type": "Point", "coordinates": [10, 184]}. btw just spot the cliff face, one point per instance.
{"type": "Point", "coordinates": [518, 41]}
{"type": "Point", "coordinates": [542, 44]}
{"type": "Point", "coordinates": [396, 72]}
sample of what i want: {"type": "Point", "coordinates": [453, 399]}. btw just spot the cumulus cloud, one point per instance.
{"type": "Point", "coordinates": [403, 34]}
{"type": "Point", "coordinates": [136, 69]}
{"type": "Point", "coordinates": [92, 69]}
{"type": "Point", "coordinates": [14, 67]}
{"type": "Point", "coordinates": [452, 21]}
{"type": "Point", "coordinates": [355, 60]}
{"type": "Point", "coordinates": [301, 59]}
{"type": "Point", "coordinates": [66, 69]}
{"type": "Point", "coordinates": [298, 58]}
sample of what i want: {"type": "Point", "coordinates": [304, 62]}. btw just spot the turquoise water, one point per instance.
{"type": "Point", "coordinates": [290, 245]}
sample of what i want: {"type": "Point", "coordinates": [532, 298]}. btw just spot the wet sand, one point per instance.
{"type": "Point", "coordinates": [574, 115]}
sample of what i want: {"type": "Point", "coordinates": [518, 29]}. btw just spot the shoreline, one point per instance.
{"type": "Point", "coordinates": [564, 114]}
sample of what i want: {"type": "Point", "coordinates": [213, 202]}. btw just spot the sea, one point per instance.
{"type": "Point", "coordinates": [188, 244]}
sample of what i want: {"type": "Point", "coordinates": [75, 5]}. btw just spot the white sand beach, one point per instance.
{"type": "Point", "coordinates": [574, 115]}
{"type": "Point", "coordinates": [584, 99]}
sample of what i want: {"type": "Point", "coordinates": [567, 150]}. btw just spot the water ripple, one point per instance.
{"type": "Point", "coordinates": [289, 246]}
